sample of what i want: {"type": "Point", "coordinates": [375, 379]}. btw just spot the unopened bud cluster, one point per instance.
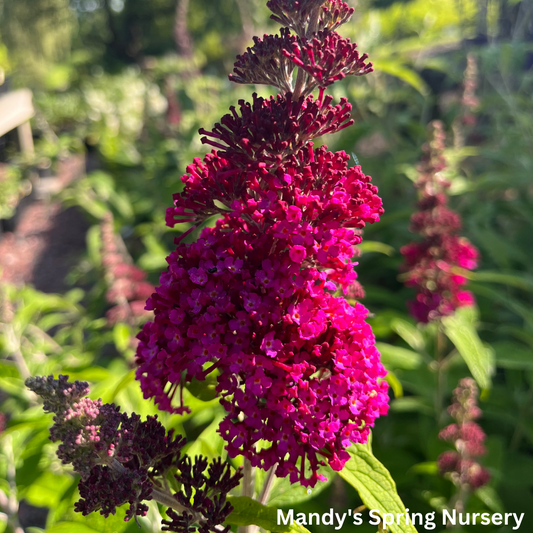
{"type": "Point", "coordinates": [122, 460]}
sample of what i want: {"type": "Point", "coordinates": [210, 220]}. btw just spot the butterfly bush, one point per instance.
{"type": "Point", "coordinates": [433, 265]}
{"type": "Point", "coordinates": [468, 438]}
{"type": "Point", "coordinates": [123, 460]}
{"type": "Point", "coordinates": [127, 286]}
{"type": "Point", "coordinates": [465, 121]}
{"type": "Point", "coordinates": [255, 301]}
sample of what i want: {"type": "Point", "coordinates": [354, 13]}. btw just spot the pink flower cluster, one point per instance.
{"type": "Point", "coordinates": [433, 265]}
{"type": "Point", "coordinates": [127, 286]}
{"type": "Point", "coordinates": [469, 100]}
{"type": "Point", "coordinates": [253, 302]}
{"type": "Point", "coordinates": [467, 437]}
{"type": "Point", "coordinates": [466, 118]}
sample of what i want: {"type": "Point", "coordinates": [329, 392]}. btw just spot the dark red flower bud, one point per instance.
{"type": "Point", "coordinates": [328, 57]}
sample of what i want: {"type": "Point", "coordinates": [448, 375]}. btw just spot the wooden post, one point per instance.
{"type": "Point", "coordinates": [16, 110]}
{"type": "Point", "coordinates": [25, 138]}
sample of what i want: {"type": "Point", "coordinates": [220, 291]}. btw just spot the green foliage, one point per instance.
{"type": "Point", "coordinates": [285, 494]}
{"type": "Point", "coordinates": [250, 512]}
{"type": "Point", "coordinates": [4, 62]}
{"type": "Point", "coordinates": [460, 329]}
{"type": "Point", "coordinates": [36, 33]}
{"type": "Point", "coordinates": [13, 187]}
{"type": "Point", "coordinates": [109, 96]}
{"type": "Point", "coordinates": [375, 486]}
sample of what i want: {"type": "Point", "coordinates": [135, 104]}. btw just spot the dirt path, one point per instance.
{"type": "Point", "coordinates": [47, 240]}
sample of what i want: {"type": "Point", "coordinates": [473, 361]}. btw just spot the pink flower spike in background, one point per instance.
{"type": "Point", "coordinates": [433, 265]}
{"type": "Point", "coordinates": [461, 465]}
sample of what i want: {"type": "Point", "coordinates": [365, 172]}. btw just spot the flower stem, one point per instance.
{"type": "Point", "coordinates": [267, 487]}
{"type": "Point", "coordinates": [299, 88]}
{"type": "Point", "coordinates": [247, 490]}
{"type": "Point", "coordinates": [9, 502]}
{"type": "Point", "coordinates": [441, 375]}
{"type": "Point", "coordinates": [265, 493]}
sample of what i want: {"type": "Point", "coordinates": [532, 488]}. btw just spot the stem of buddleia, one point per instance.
{"type": "Point", "coordinates": [265, 492]}
{"type": "Point", "coordinates": [247, 490]}
{"type": "Point", "coordinates": [299, 88]}
{"type": "Point", "coordinates": [441, 373]}
{"type": "Point", "coordinates": [267, 487]}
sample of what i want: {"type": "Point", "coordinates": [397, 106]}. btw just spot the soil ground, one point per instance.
{"type": "Point", "coordinates": [46, 239]}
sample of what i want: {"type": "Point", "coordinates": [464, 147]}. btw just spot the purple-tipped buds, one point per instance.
{"type": "Point", "coordinates": [120, 459]}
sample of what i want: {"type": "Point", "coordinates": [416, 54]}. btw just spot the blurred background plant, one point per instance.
{"type": "Point", "coordinates": [127, 84]}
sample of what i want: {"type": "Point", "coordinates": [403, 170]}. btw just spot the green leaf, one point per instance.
{"type": "Point", "coordinates": [397, 357]}
{"type": "Point", "coordinates": [123, 383]}
{"type": "Point", "coordinates": [248, 512]}
{"type": "Point", "coordinates": [122, 335]}
{"type": "Point", "coordinates": [96, 208]}
{"type": "Point", "coordinates": [156, 254]}
{"type": "Point", "coordinates": [490, 498]}
{"type": "Point", "coordinates": [32, 453]}
{"type": "Point", "coordinates": [122, 204]}
{"type": "Point", "coordinates": [395, 384]}
{"type": "Point", "coordinates": [376, 246]}
{"type": "Point", "coordinates": [114, 523]}
{"type": "Point", "coordinates": [94, 245]}
{"type": "Point", "coordinates": [411, 403]}
{"type": "Point", "coordinates": [209, 443]}
{"type": "Point", "coordinates": [52, 320]}
{"type": "Point", "coordinates": [13, 386]}
{"type": "Point", "coordinates": [505, 300]}
{"type": "Point", "coordinates": [375, 485]}
{"type": "Point", "coordinates": [460, 329]}
{"type": "Point", "coordinates": [46, 491]}
{"type": "Point", "coordinates": [285, 493]}
{"type": "Point", "coordinates": [61, 510]}
{"type": "Point", "coordinates": [94, 374]}
{"type": "Point", "coordinates": [204, 390]}
{"type": "Point", "coordinates": [501, 250]}
{"type": "Point", "coordinates": [409, 333]}
{"type": "Point", "coordinates": [71, 527]}
{"type": "Point", "coordinates": [394, 68]}
{"type": "Point", "coordinates": [513, 355]}
{"type": "Point", "coordinates": [9, 370]}
{"type": "Point", "coordinates": [430, 467]}
{"type": "Point", "coordinates": [513, 280]}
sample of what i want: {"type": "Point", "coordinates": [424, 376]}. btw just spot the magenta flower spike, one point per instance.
{"type": "Point", "coordinates": [468, 438]}
{"type": "Point", "coordinates": [253, 301]}
{"type": "Point", "coordinates": [433, 266]}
